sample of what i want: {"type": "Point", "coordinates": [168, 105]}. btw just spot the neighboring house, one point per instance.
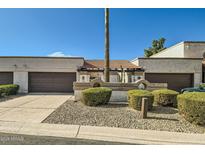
{"type": "Point", "coordinates": [120, 71]}
{"type": "Point", "coordinates": [40, 74]}
{"type": "Point", "coordinates": [180, 65]}
{"type": "Point", "coordinates": [57, 74]}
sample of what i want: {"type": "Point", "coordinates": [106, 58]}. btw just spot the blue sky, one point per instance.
{"type": "Point", "coordinates": [80, 32]}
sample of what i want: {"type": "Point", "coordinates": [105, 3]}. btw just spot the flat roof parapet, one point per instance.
{"type": "Point", "coordinates": [46, 57]}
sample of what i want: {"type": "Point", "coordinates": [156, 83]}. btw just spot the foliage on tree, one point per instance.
{"type": "Point", "coordinates": [157, 46]}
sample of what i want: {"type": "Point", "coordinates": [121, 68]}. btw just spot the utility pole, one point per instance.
{"type": "Point", "coordinates": [107, 47]}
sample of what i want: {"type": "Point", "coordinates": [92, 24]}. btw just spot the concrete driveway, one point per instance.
{"type": "Point", "coordinates": [31, 108]}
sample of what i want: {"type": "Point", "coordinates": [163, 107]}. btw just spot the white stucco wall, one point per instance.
{"type": "Point", "coordinates": [135, 61]}
{"type": "Point", "coordinates": [173, 51]}
{"type": "Point", "coordinates": [21, 79]}
{"type": "Point", "coordinates": [86, 78]}
{"type": "Point", "coordinates": [183, 50]}
{"type": "Point", "coordinates": [20, 66]}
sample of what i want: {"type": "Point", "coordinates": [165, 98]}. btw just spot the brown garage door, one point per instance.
{"type": "Point", "coordinates": [51, 82]}
{"type": "Point", "coordinates": [6, 78]}
{"type": "Point", "coordinates": [174, 81]}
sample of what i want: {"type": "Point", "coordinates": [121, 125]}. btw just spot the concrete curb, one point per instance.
{"type": "Point", "coordinates": [133, 136]}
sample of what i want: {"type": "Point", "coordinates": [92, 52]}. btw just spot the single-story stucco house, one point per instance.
{"type": "Point", "coordinates": [180, 66]}
{"type": "Point", "coordinates": [40, 74]}
{"type": "Point", "coordinates": [57, 74]}
{"type": "Point", "coordinates": [120, 71]}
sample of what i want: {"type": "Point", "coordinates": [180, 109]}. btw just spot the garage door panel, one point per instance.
{"type": "Point", "coordinates": [51, 82]}
{"type": "Point", "coordinates": [6, 77]}
{"type": "Point", "coordinates": [174, 81]}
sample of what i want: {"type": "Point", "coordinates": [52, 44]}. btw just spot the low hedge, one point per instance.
{"type": "Point", "coordinates": [165, 97]}
{"type": "Point", "coordinates": [10, 89]}
{"type": "Point", "coordinates": [202, 85]}
{"type": "Point", "coordinates": [96, 96]}
{"type": "Point", "coordinates": [192, 107]}
{"type": "Point", "coordinates": [135, 98]}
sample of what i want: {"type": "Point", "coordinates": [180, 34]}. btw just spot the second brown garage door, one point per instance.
{"type": "Point", "coordinates": [174, 81]}
{"type": "Point", "coordinates": [51, 82]}
{"type": "Point", "coordinates": [6, 77]}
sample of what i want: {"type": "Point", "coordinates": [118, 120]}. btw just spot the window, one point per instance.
{"type": "Point", "coordinates": [84, 78]}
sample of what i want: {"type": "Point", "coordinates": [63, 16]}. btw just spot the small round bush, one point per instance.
{"type": "Point", "coordinates": [192, 107]}
{"type": "Point", "coordinates": [202, 85]}
{"type": "Point", "coordinates": [135, 98]}
{"type": "Point", "coordinates": [165, 97]}
{"type": "Point", "coordinates": [96, 96]}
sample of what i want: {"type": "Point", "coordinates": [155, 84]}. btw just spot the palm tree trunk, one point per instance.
{"type": "Point", "coordinates": [107, 47]}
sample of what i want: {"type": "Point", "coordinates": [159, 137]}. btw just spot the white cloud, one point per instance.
{"type": "Point", "coordinates": [59, 54]}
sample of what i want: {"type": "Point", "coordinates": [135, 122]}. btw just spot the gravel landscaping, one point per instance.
{"type": "Point", "coordinates": [112, 115]}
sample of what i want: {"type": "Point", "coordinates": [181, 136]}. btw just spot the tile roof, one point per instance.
{"type": "Point", "coordinates": [114, 64]}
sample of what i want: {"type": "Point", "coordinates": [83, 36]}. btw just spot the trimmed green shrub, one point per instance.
{"type": "Point", "coordinates": [192, 107]}
{"type": "Point", "coordinates": [165, 97]}
{"type": "Point", "coordinates": [135, 99]}
{"type": "Point", "coordinates": [9, 89]}
{"type": "Point", "coordinates": [96, 96]}
{"type": "Point", "coordinates": [202, 85]}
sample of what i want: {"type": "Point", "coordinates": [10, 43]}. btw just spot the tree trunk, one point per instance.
{"type": "Point", "coordinates": [107, 47]}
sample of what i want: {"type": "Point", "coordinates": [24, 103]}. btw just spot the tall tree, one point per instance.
{"type": "Point", "coordinates": [157, 46]}
{"type": "Point", "coordinates": [107, 47]}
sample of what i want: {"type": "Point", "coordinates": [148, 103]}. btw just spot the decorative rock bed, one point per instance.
{"type": "Point", "coordinates": [160, 118]}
